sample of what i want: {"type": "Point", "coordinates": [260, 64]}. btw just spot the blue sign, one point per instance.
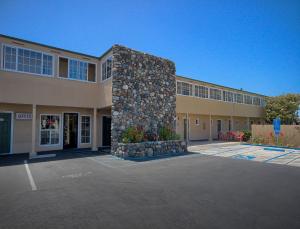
{"type": "Point", "coordinates": [276, 126]}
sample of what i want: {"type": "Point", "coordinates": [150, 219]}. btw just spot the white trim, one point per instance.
{"type": "Point", "coordinates": [86, 143]}
{"type": "Point", "coordinates": [78, 126]}
{"type": "Point", "coordinates": [68, 74]}
{"type": "Point", "coordinates": [59, 131]}
{"type": "Point", "coordinates": [11, 130]}
{"type": "Point", "coordinates": [28, 49]}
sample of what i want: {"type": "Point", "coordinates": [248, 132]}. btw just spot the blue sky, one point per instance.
{"type": "Point", "coordinates": [254, 45]}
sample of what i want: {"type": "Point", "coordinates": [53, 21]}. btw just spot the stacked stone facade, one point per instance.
{"type": "Point", "coordinates": [143, 92]}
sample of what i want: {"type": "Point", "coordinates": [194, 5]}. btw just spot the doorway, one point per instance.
{"type": "Point", "coordinates": [106, 131]}
{"type": "Point", "coordinates": [5, 132]}
{"type": "Point", "coordinates": [185, 127]}
{"type": "Point", "coordinates": [219, 127]}
{"type": "Point", "coordinates": [70, 130]}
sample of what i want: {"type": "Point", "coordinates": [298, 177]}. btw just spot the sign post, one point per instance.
{"type": "Point", "coordinates": [276, 127]}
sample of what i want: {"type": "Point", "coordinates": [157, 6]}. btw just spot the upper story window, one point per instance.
{"type": "Point", "coordinates": [76, 69]}
{"type": "Point", "coordinates": [215, 94]}
{"type": "Point", "coordinates": [247, 99]}
{"type": "Point", "coordinates": [227, 96]}
{"type": "Point", "coordinates": [256, 101]}
{"type": "Point", "coordinates": [184, 88]}
{"type": "Point", "coordinates": [201, 91]}
{"type": "Point", "coordinates": [25, 60]}
{"type": "Point", "coordinates": [107, 68]}
{"type": "Point", "coordinates": [238, 98]}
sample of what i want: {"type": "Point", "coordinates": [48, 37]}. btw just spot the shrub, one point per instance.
{"type": "Point", "coordinates": [166, 134]}
{"type": "Point", "coordinates": [133, 135]}
{"type": "Point", "coordinates": [247, 135]}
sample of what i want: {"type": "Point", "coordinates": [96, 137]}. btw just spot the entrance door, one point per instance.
{"type": "Point", "coordinates": [5, 132]}
{"type": "Point", "coordinates": [185, 129]}
{"type": "Point", "coordinates": [70, 130]}
{"type": "Point", "coordinates": [106, 131]}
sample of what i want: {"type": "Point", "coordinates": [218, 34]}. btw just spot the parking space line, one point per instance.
{"type": "Point", "coordinates": [279, 156]}
{"type": "Point", "coordinates": [293, 160]}
{"type": "Point", "coordinates": [31, 181]}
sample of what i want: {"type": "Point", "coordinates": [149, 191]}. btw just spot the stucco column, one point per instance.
{"type": "Point", "coordinates": [33, 131]}
{"type": "Point", "coordinates": [248, 123]}
{"type": "Point", "coordinates": [210, 128]}
{"type": "Point", "coordinates": [232, 123]}
{"type": "Point", "coordinates": [94, 146]}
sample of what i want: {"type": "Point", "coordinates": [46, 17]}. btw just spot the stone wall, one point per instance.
{"type": "Point", "coordinates": [150, 149]}
{"type": "Point", "coordinates": [143, 92]}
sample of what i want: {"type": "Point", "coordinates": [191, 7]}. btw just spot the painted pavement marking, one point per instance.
{"type": "Point", "coordinates": [31, 180]}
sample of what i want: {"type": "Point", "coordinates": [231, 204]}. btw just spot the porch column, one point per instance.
{"type": "Point", "coordinates": [94, 146]}
{"type": "Point", "coordinates": [232, 124]}
{"type": "Point", "coordinates": [248, 123]}
{"type": "Point", "coordinates": [33, 133]}
{"type": "Point", "coordinates": [210, 128]}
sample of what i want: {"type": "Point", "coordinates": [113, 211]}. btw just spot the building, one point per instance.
{"type": "Point", "coordinates": [53, 99]}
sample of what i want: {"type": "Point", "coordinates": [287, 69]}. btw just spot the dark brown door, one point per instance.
{"type": "Point", "coordinates": [106, 131]}
{"type": "Point", "coordinates": [5, 132]}
{"type": "Point", "coordinates": [70, 130]}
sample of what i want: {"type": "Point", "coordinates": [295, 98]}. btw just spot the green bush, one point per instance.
{"type": "Point", "coordinates": [247, 135]}
{"type": "Point", "coordinates": [166, 134]}
{"type": "Point", "coordinates": [258, 140]}
{"type": "Point", "coordinates": [133, 135]}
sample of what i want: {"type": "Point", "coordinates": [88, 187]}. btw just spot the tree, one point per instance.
{"type": "Point", "coordinates": [285, 107]}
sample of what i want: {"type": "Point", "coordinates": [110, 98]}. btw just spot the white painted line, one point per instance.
{"type": "Point", "coordinates": [32, 183]}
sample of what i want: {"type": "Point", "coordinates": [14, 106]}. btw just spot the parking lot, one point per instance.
{"type": "Point", "coordinates": [264, 154]}
{"type": "Point", "coordinates": [87, 190]}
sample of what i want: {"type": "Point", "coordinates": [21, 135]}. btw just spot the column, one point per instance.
{"type": "Point", "coordinates": [94, 145]}
{"type": "Point", "coordinates": [210, 128]}
{"type": "Point", "coordinates": [33, 133]}
{"type": "Point", "coordinates": [248, 123]}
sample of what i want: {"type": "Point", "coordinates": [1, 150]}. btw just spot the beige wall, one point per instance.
{"type": "Point", "coordinates": [291, 134]}
{"type": "Point", "coordinates": [26, 88]}
{"type": "Point", "coordinates": [22, 128]}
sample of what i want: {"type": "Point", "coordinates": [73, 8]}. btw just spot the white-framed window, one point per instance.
{"type": "Point", "coordinates": [106, 68]}
{"type": "Point", "coordinates": [85, 129]}
{"type": "Point", "coordinates": [256, 101]}
{"type": "Point", "coordinates": [247, 99]}
{"type": "Point", "coordinates": [215, 94]}
{"type": "Point", "coordinates": [201, 91]}
{"type": "Point", "coordinates": [27, 60]}
{"type": "Point", "coordinates": [238, 98]}
{"type": "Point", "coordinates": [49, 129]}
{"type": "Point", "coordinates": [227, 96]}
{"type": "Point", "coordinates": [75, 69]}
{"type": "Point", "coordinates": [263, 102]}
{"type": "Point", "coordinates": [184, 88]}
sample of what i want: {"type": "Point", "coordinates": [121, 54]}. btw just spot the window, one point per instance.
{"type": "Point", "coordinates": [184, 88]}
{"type": "Point", "coordinates": [227, 96]}
{"type": "Point", "coordinates": [85, 129]}
{"type": "Point", "coordinates": [106, 68]}
{"type": "Point", "coordinates": [247, 99]}
{"type": "Point", "coordinates": [238, 98]}
{"type": "Point", "coordinates": [215, 94]}
{"type": "Point", "coordinates": [197, 122]}
{"type": "Point", "coordinates": [25, 60]}
{"type": "Point", "coordinates": [256, 101]}
{"type": "Point", "coordinates": [9, 56]}
{"type": "Point", "coordinates": [201, 91]}
{"type": "Point", "coordinates": [77, 69]}
{"type": "Point", "coordinates": [49, 130]}
{"type": "Point", "coordinates": [263, 102]}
